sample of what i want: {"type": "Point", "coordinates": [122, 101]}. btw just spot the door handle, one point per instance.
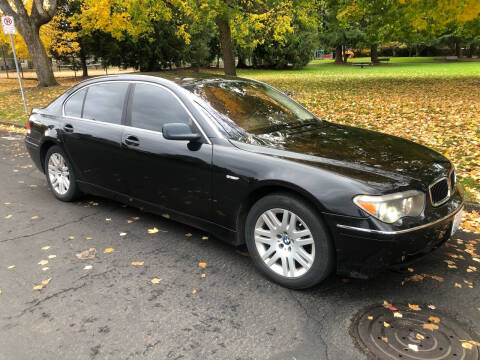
{"type": "Point", "coordinates": [131, 140]}
{"type": "Point", "coordinates": [68, 128]}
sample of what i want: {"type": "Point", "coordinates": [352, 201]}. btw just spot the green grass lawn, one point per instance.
{"type": "Point", "coordinates": [426, 100]}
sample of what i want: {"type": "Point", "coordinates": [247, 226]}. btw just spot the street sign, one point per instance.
{"type": "Point", "coordinates": [8, 25]}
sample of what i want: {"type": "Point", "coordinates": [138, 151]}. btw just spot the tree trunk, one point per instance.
{"type": "Point", "coordinates": [43, 67]}
{"type": "Point", "coordinates": [418, 50]}
{"type": "Point", "coordinates": [338, 54]}
{"type": "Point", "coordinates": [374, 53]}
{"type": "Point", "coordinates": [242, 64]}
{"type": "Point", "coordinates": [394, 51]}
{"type": "Point", "coordinates": [458, 48]}
{"type": "Point", "coordinates": [226, 45]}
{"type": "Point", "coordinates": [83, 61]}
{"type": "Point", "coordinates": [5, 60]}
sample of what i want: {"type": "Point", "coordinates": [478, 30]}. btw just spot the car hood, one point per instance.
{"type": "Point", "coordinates": [353, 150]}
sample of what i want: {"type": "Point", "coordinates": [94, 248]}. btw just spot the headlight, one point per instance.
{"type": "Point", "coordinates": [389, 208]}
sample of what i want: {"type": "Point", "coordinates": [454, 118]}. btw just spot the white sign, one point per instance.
{"type": "Point", "coordinates": [8, 25]}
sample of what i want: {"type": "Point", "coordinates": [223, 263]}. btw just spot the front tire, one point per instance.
{"type": "Point", "coordinates": [288, 241]}
{"type": "Point", "coordinates": [60, 176]}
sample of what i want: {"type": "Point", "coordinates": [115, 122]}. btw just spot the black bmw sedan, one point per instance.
{"type": "Point", "coordinates": [243, 161]}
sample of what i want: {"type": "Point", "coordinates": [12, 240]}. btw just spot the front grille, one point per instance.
{"type": "Point", "coordinates": [439, 191]}
{"type": "Point", "coordinates": [453, 180]}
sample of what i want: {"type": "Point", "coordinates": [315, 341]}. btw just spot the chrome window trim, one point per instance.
{"type": "Point", "coordinates": [397, 232]}
{"type": "Point", "coordinates": [127, 126]}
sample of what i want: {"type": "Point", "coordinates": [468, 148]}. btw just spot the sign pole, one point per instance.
{"type": "Point", "coordinates": [18, 74]}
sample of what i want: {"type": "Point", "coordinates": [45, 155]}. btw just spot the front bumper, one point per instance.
{"type": "Point", "coordinates": [362, 251]}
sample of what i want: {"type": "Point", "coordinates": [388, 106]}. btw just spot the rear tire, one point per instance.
{"type": "Point", "coordinates": [288, 241]}
{"type": "Point", "coordinates": [60, 176]}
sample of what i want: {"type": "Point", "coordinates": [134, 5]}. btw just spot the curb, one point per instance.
{"type": "Point", "coordinates": [13, 124]}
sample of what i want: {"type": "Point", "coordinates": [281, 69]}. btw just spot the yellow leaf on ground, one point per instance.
{"type": "Point", "coordinates": [410, 270]}
{"type": "Point", "coordinates": [8, 216]}
{"type": "Point", "coordinates": [38, 287]}
{"type": "Point", "coordinates": [45, 282]}
{"type": "Point", "coordinates": [137, 263]}
{"type": "Point", "coordinates": [45, 268]}
{"type": "Point", "coordinates": [194, 291]}
{"type": "Point", "coordinates": [384, 339]}
{"type": "Point", "coordinates": [430, 326]}
{"type": "Point", "coordinates": [204, 237]}
{"type": "Point", "coordinates": [43, 262]}
{"type": "Point", "coordinates": [458, 285]}
{"type": "Point", "coordinates": [166, 216]}
{"type": "Point", "coordinates": [467, 345]}
{"type": "Point", "coordinates": [153, 231]}
{"type": "Point", "coordinates": [419, 336]}
{"type": "Point", "coordinates": [188, 234]}
{"type": "Point", "coordinates": [34, 217]}
{"type": "Point", "coordinates": [203, 265]}
{"type": "Point", "coordinates": [414, 307]}
{"type": "Point", "coordinates": [11, 267]}
{"type": "Point", "coordinates": [370, 317]}
{"type": "Point", "coordinates": [434, 319]}
{"type": "Point", "coordinates": [123, 233]}
{"type": "Point", "coordinates": [87, 254]}
{"type": "Point", "coordinates": [71, 238]}
{"type": "Point", "coordinates": [204, 276]}
{"type": "Point", "coordinates": [155, 280]}
{"type": "Point", "coordinates": [386, 324]}
{"type": "Point", "coordinates": [108, 250]}
{"type": "Point", "coordinates": [397, 314]}
{"type": "Point", "coordinates": [89, 238]}
{"type": "Point", "coordinates": [46, 247]}
{"type": "Point", "coordinates": [52, 256]}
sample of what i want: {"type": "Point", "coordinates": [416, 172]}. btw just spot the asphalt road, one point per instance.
{"type": "Point", "coordinates": [114, 311]}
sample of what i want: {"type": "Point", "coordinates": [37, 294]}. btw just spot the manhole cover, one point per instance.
{"type": "Point", "coordinates": [401, 333]}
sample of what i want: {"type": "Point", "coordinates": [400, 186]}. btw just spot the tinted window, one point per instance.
{"type": "Point", "coordinates": [153, 106]}
{"type": "Point", "coordinates": [104, 102]}
{"type": "Point", "coordinates": [73, 107]}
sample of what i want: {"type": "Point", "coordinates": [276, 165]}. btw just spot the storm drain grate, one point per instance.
{"type": "Point", "coordinates": [399, 332]}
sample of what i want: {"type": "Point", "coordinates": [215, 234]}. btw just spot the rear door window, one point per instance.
{"type": "Point", "coordinates": [104, 102]}
{"type": "Point", "coordinates": [73, 106]}
{"type": "Point", "coordinates": [154, 106]}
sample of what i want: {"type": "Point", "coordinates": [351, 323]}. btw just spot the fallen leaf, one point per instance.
{"type": "Point", "coordinates": [123, 233]}
{"type": "Point", "coordinates": [458, 285]}
{"type": "Point", "coordinates": [11, 267]}
{"type": "Point", "coordinates": [467, 345]}
{"type": "Point", "coordinates": [393, 308]}
{"type": "Point", "coordinates": [46, 282]}
{"type": "Point", "coordinates": [71, 237]}
{"type": "Point", "coordinates": [397, 315]}
{"type": "Point", "coordinates": [386, 324]}
{"type": "Point", "coordinates": [434, 319]}
{"type": "Point", "coordinates": [414, 307]}
{"type": "Point", "coordinates": [385, 339]}
{"type": "Point", "coordinates": [137, 263]}
{"type": "Point", "coordinates": [155, 280]}
{"type": "Point", "coordinates": [204, 237]}
{"type": "Point", "coordinates": [204, 276]}
{"type": "Point", "coordinates": [370, 317]}
{"type": "Point", "coordinates": [419, 336]}
{"type": "Point", "coordinates": [430, 326]}
{"type": "Point", "coordinates": [203, 265]}
{"type": "Point", "coordinates": [8, 216]}
{"type": "Point", "coordinates": [87, 267]}
{"type": "Point", "coordinates": [46, 247]}
{"type": "Point", "coordinates": [52, 256]}
{"type": "Point", "coordinates": [87, 254]}
{"type": "Point", "coordinates": [188, 234]}
{"type": "Point", "coordinates": [45, 268]}
{"type": "Point", "coordinates": [471, 268]}
{"type": "Point", "coordinates": [410, 270]}
{"type": "Point", "coordinates": [43, 262]}
{"type": "Point", "coordinates": [153, 231]}
{"type": "Point", "coordinates": [108, 250]}
{"type": "Point", "coordinates": [38, 287]}
{"type": "Point", "coordinates": [413, 347]}
{"type": "Point", "coordinates": [108, 219]}
{"type": "Point", "coordinates": [194, 291]}
{"type": "Point", "coordinates": [89, 238]}
{"type": "Point", "coordinates": [34, 217]}
{"type": "Point", "coordinates": [432, 307]}
{"type": "Point", "coordinates": [166, 216]}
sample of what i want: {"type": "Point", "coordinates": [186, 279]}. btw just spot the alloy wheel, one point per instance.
{"type": "Point", "coordinates": [284, 242]}
{"type": "Point", "coordinates": [59, 174]}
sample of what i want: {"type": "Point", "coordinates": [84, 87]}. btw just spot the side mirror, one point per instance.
{"type": "Point", "coordinates": [179, 131]}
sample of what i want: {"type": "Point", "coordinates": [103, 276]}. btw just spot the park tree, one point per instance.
{"type": "Point", "coordinates": [29, 17]}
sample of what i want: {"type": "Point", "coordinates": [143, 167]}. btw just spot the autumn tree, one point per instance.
{"type": "Point", "coordinates": [28, 21]}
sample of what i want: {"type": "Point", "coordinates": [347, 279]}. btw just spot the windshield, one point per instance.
{"type": "Point", "coordinates": [245, 107]}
